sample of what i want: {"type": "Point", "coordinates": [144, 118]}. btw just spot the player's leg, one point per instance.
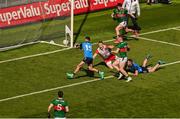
{"type": "Point", "coordinates": [109, 64]}
{"type": "Point", "coordinates": [122, 69]}
{"type": "Point", "coordinates": [116, 64]}
{"type": "Point", "coordinates": [153, 69]}
{"type": "Point", "coordinates": [91, 68]}
{"type": "Point", "coordinates": [109, 61]}
{"type": "Point", "coordinates": [145, 61]}
{"type": "Point", "coordinates": [117, 29]}
{"type": "Point", "coordinates": [78, 67]}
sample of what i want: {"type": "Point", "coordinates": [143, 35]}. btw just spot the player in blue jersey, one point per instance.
{"type": "Point", "coordinates": [135, 69]}
{"type": "Point", "coordinates": [88, 59]}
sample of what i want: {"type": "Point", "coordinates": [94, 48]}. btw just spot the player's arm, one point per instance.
{"type": "Point", "coordinates": [95, 54]}
{"type": "Point", "coordinates": [115, 51]}
{"type": "Point", "coordinates": [124, 4]}
{"type": "Point", "coordinates": [128, 48]}
{"type": "Point", "coordinates": [136, 73]}
{"type": "Point", "coordinates": [49, 109]}
{"type": "Point", "coordinates": [110, 46]}
{"type": "Point", "coordinates": [66, 109]}
{"type": "Point", "coordinates": [79, 46]}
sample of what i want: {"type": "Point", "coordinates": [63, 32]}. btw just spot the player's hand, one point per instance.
{"type": "Point", "coordinates": [49, 115]}
{"type": "Point", "coordinates": [76, 45]}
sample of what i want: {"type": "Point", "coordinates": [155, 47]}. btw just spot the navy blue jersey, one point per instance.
{"type": "Point", "coordinates": [135, 67]}
{"type": "Point", "coordinates": [87, 48]}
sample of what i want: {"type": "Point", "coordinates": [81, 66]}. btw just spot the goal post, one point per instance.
{"type": "Point", "coordinates": [43, 21]}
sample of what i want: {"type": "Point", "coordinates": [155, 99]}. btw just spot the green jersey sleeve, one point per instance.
{"type": "Point", "coordinates": [121, 45]}
{"type": "Point", "coordinates": [53, 102]}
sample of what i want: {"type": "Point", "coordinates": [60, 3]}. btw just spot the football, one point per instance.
{"type": "Point", "coordinates": [65, 42]}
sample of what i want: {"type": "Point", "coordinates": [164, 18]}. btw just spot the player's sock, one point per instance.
{"type": "Point", "coordinates": [160, 62]}
{"type": "Point", "coordinates": [148, 56]}
{"type": "Point", "coordinates": [101, 74]}
{"type": "Point", "coordinates": [128, 79]}
{"type": "Point", "coordinates": [120, 76]}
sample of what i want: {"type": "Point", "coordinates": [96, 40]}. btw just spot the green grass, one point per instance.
{"type": "Point", "coordinates": [149, 95]}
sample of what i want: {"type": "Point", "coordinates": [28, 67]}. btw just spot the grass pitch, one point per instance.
{"type": "Point", "coordinates": [149, 95]}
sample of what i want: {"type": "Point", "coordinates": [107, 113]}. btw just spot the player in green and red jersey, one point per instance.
{"type": "Point", "coordinates": [120, 62]}
{"type": "Point", "coordinates": [60, 107]}
{"type": "Point", "coordinates": [121, 16]}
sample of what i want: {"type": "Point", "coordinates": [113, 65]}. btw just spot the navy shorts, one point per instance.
{"type": "Point", "coordinates": [88, 60]}
{"type": "Point", "coordinates": [144, 70]}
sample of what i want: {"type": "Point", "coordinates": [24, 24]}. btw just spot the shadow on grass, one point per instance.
{"type": "Point", "coordinates": [88, 74]}
{"type": "Point", "coordinates": [82, 24]}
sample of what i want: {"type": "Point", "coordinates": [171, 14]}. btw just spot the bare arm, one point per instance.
{"type": "Point", "coordinates": [124, 4]}
{"type": "Point", "coordinates": [67, 109]}
{"type": "Point", "coordinates": [136, 73]}
{"type": "Point", "coordinates": [49, 108]}
{"type": "Point", "coordinates": [110, 46]}
{"type": "Point", "coordinates": [116, 51]}
{"type": "Point", "coordinates": [94, 56]}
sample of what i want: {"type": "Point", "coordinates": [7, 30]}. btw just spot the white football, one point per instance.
{"type": "Point", "coordinates": [65, 42]}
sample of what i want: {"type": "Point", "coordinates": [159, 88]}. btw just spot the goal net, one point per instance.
{"type": "Point", "coordinates": [36, 21]}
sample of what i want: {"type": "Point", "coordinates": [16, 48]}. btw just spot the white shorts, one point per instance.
{"type": "Point", "coordinates": [60, 118]}
{"type": "Point", "coordinates": [124, 24]}
{"type": "Point", "coordinates": [122, 60]}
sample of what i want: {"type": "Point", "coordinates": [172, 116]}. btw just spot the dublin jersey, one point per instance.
{"type": "Point", "coordinates": [135, 67]}
{"type": "Point", "coordinates": [87, 48]}
{"type": "Point", "coordinates": [104, 52]}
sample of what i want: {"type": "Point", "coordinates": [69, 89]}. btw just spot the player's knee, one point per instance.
{"type": "Point", "coordinates": [117, 28]}
{"type": "Point", "coordinates": [121, 69]}
{"type": "Point", "coordinates": [90, 68]}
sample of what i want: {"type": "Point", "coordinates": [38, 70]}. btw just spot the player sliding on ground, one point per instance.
{"type": "Point", "coordinates": [121, 59]}
{"type": "Point", "coordinates": [121, 16]}
{"type": "Point", "coordinates": [135, 69]}
{"type": "Point", "coordinates": [88, 59]}
{"type": "Point", "coordinates": [105, 52]}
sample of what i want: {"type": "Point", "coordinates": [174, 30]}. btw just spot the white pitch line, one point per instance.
{"type": "Point", "coordinates": [164, 42]}
{"type": "Point", "coordinates": [36, 55]}
{"type": "Point", "coordinates": [70, 85]}
{"type": "Point", "coordinates": [52, 89]}
{"type": "Point", "coordinates": [171, 63]}
{"type": "Point", "coordinates": [55, 44]}
{"type": "Point", "coordinates": [161, 30]}
{"type": "Point", "coordinates": [176, 29]}
{"type": "Point", "coordinates": [55, 51]}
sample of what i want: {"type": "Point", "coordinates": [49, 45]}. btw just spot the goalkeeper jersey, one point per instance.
{"type": "Point", "coordinates": [123, 13]}
{"type": "Point", "coordinates": [59, 107]}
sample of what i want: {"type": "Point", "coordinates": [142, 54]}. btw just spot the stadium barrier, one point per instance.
{"type": "Point", "coordinates": [38, 11]}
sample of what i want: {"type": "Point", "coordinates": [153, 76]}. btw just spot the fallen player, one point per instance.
{"type": "Point", "coordinates": [135, 68]}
